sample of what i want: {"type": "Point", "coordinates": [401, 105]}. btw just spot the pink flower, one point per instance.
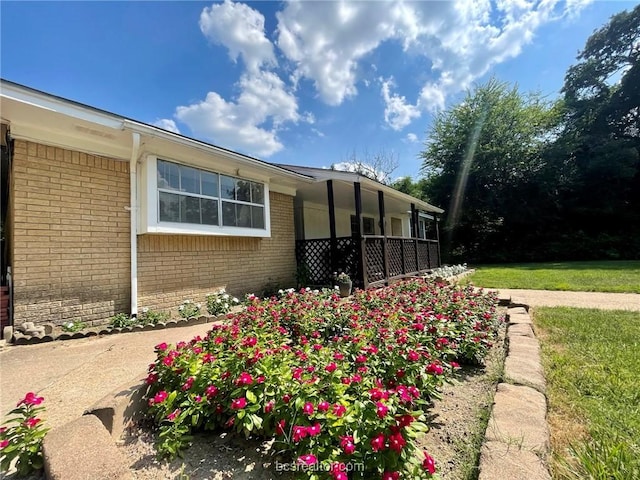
{"type": "Point", "coordinates": [339, 409]}
{"type": "Point", "coordinates": [413, 356]}
{"type": "Point", "coordinates": [331, 367]}
{"type": "Point", "coordinates": [286, 397]}
{"type": "Point", "coordinates": [211, 391]}
{"type": "Point", "coordinates": [429, 464]}
{"type": "Point", "coordinates": [378, 394]}
{"type": "Point", "coordinates": [308, 409]}
{"type": "Point", "coordinates": [455, 365]}
{"type": "Point", "coordinates": [397, 442]}
{"type": "Point", "coordinates": [314, 430]}
{"type": "Point", "coordinates": [151, 378]}
{"type": "Point", "coordinates": [208, 358]}
{"type": "Point", "coordinates": [434, 369]}
{"type": "Point", "coordinates": [244, 379]}
{"type": "Point", "coordinates": [338, 356]}
{"type": "Point", "coordinates": [323, 406]}
{"type": "Point", "coordinates": [307, 459]}
{"type": "Point", "coordinates": [381, 410]}
{"type": "Point", "coordinates": [188, 384]}
{"type": "Point", "coordinates": [32, 422]}
{"type": "Point", "coordinates": [404, 420]}
{"type": "Point", "coordinates": [159, 397]}
{"type": "Point", "coordinates": [238, 403]}
{"type": "Point", "coordinates": [4, 443]}
{"type": "Point", "coordinates": [172, 416]}
{"type": "Point", "coordinates": [269, 406]}
{"type": "Point", "coordinates": [346, 442]}
{"type": "Point", "coordinates": [31, 399]}
{"type": "Point", "coordinates": [338, 471]}
{"type": "Point", "coordinates": [390, 475]}
{"type": "Point", "coordinates": [377, 442]}
{"type": "Point", "coordinates": [161, 347]}
{"type": "Point", "coordinates": [299, 432]}
{"type": "Point", "coordinates": [361, 359]}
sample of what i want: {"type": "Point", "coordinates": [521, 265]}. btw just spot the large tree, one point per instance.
{"type": "Point", "coordinates": [485, 165]}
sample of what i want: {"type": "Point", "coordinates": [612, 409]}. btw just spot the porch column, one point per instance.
{"type": "Point", "coordinates": [414, 221]}
{"type": "Point", "coordinates": [332, 227]}
{"type": "Point", "coordinates": [357, 196]}
{"type": "Point", "coordinates": [436, 220]}
{"type": "Point", "coordinates": [383, 232]}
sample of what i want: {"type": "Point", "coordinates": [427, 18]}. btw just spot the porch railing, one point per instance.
{"type": "Point", "coordinates": [372, 261]}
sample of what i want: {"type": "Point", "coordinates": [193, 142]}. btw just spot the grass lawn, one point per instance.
{"type": "Point", "coordinates": [591, 360]}
{"type": "Point", "coordinates": [602, 276]}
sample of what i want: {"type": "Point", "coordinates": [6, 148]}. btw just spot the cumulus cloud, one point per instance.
{"type": "Point", "coordinates": [240, 28]}
{"type": "Point", "coordinates": [459, 42]}
{"type": "Point", "coordinates": [167, 124]}
{"type": "Point", "coordinates": [251, 122]}
{"type": "Point", "coordinates": [412, 138]}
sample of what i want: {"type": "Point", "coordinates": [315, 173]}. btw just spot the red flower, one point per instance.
{"type": "Point", "coordinates": [31, 399]}
{"type": "Point", "coordinates": [269, 406]}
{"type": "Point", "coordinates": [338, 471]}
{"type": "Point", "coordinates": [338, 356]}
{"type": "Point", "coordinates": [211, 391]}
{"type": "Point", "coordinates": [4, 443]}
{"type": "Point", "coordinates": [161, 347]}
{"type": "Point", "coordinates": [323, 406]}
{"type": "Point", "coordinates": [331, 367]}
{"type": "Point", "coordinates": [397, 442]}
{"type": "Point", "coordinates": [286, 397]}
{"type": "Point", "coordinates": [172, 416]}
{"type": "Point", "coordinates": [308, 409]}
{"type": "Point", "coordinates": [188, 384]}
{"type": "Point", "coordinates": [208, 358]}
{"type": "Point", "coordinates": [244, 379]}
{"type": "Point", "coordinates": [377, 442]}
{"type": "Point", "coordinates": [238, 403]}
{"type": "Point", "coordinates": [378, 394]}
{"type": "Point", "coordinates": [346, 442]}
{"type": "Point", "coordinates": [429, 464]}
{"type": "Point", "coordinates": [404, 420]}
{"type": "Point", "coordinates": [314, 430]}
{"type": "Point", "coordinates": [339, 409]}
{"type": "Point", "coordinates": [381, 410]}
{"type": "Point", "coordinates": [159, 397]}
{"type": "Point", "coordinates": [413, 356]}
{"type": "Point", "coordinates": [390, 475]}
{"type": "Point", "coordinates": [32, 422]}
{"type": "Point", "coordinates": [434, 369]}
{"type": "Point", "coordinates": [151, 378]}
{"type": "Point", "coordinates": [280, 427]}
{"type": "Point", "coordinates": [307, 459]}
{"type": "Point", "coordinates": [299, 432]}
{"type": "Point", "coordinates": [361, 359]}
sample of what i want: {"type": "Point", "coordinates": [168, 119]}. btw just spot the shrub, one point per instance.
{"type": "Point", "coordinates": [335, 382]}
{"type": "Point", "coordinates": [21, 438]}
{"type": "Point", "coordinates": [73, 326]}
{"type": "Point", "coordinates": [188, 309]}
{"type": "Point", "coordinates": [121, 320]}
{"type": "Point", "coordinates": [151, 317]}
{"type": "Point", "coordinates": [220, 303]}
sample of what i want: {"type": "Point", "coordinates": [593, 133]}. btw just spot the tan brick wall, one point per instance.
{"type": "Point", "coordinates": [172, 268]}
{"type": "Point", "coordinates": [70, 235]}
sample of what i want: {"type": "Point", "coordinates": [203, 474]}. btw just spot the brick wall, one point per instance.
{"type": "Point", "coordinates": [172, 268]}
{"type": "Point", "coordinates": [70, 235]}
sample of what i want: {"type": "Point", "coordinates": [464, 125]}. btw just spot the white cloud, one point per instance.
{"type": "Point", "coordinates": [412, 138]}
{"type": "Point", "coordinates": [240, 28]}
{"type": "Point", "coordinates": [251, 122]}
{"type": "Point", "coordinates": [397, 113]}
{"type": "Point", "coordinates": [167, 124]}
{"type": "Point", "coordinates": [460, 42]}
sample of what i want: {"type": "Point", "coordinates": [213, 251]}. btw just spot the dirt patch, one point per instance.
{"type": "Point", "coordinates": [458, 424]}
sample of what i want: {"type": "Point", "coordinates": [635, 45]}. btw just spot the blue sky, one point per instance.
{"type": "Point", "coordinates": [306, 83]}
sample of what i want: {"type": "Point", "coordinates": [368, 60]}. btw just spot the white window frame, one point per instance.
{"type": "Point", "coordinates": [149, 216]}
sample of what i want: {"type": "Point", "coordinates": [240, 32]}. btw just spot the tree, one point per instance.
{"type": "Point", "coordinates": [483, 161]}
{"type": "Point", "coordinates": [379, 166]}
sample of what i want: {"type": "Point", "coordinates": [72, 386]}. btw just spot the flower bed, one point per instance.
{"type": "Point", "coordinates": [343, 385]}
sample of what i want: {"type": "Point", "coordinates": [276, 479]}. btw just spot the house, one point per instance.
{"type": "Point", "coordinates": [102, 214]}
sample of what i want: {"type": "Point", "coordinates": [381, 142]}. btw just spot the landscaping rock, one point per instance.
{"type": "Point", "coordinates": [521, 344]}
{"type": "Point", "coordinates": [81, 450]}
{"type": "Point", "coordinates": [520, 329]}
{"type": "Point", "coordinates": [500, 460]}
{"type": "Point", "coordinates": [517, 311]}
{"type": "Point", "coordinates": [518, 318]}
{"type": "Point", "coordinates": [518, 419]}
{"type": "Point", "coordinates": [525, 369]}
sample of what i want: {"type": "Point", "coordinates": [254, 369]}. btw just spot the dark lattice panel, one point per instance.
{"type": "Point", "coordinates": [433, 252]}
{"type": "Point", "coordinates": [410, 256]}
{"type": "Point", "coordinates": [394, 252]}
{"type": "Point", "coordinates": [316, 255]}
{"type": "Point", "coordinates": [423, 255]}
{"type": "Point", "coordinates": [374, 259]}
{"type": "Point", "coordinates": [348, 256]}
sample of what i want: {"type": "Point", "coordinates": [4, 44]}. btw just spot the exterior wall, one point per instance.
{"type": "Point", "coordinates": [70, 235]}
{"type": "Point", "coordinates": [173, 268]}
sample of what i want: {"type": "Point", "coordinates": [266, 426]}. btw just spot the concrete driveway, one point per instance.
{"type": "Point", "coordinates": [74, 374]}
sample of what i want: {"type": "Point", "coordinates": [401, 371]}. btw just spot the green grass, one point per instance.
{"type": "Point", "coordinates": [591, 360]}
{"type": "Point", "coordinates": [605, 276]}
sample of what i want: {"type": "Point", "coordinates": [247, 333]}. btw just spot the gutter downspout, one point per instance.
{"type": "Point", "coordinates": [133, 210]}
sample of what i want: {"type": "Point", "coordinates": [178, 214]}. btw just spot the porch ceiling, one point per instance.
{"type": "Point", "coordinates": [344, 198]}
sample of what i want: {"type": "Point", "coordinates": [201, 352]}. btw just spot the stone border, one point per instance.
{"type": "Point", "coordinates": [516, 444]}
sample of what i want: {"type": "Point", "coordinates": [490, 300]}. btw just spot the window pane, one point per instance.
{"type": "Point", "coordinates": [168, 177]}
{"type": "Point", "coordinates": [257, 193]}
{"type": "Point", "coordinates": [169, 210]}
{"type": "Point", "coordinates": [209, 184]}
{"type": "Point", "coordinates": [192, 207]}
{"type": "Point", "coordinates": [227, 187]}
{"type": "Point", "coordinates": [243, 213]}
{"type": "Point", "coordinates": [209, 212]}
{"type": "Point", "coordinates": [189, 180]}
{"type": "Point", "coordinates": [243, 191]}
{"type": "Point", "coordinates": [229, 214]}
{"type": "Point", "coordinates": [257, 217]}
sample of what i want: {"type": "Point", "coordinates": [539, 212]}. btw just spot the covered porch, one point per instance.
{"type": "Point", "coordinates": [346, 222]}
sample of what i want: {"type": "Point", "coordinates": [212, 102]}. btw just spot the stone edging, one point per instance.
{"type": "Point", "coordinates": [516, 444]}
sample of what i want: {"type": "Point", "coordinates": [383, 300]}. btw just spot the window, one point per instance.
{"type": "Point", "coordinates": [188, 195]}
{"type": "Point", "coordinates": [368, 225]}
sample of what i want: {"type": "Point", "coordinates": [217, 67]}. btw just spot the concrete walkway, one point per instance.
{"type": "Point", "coordinates": [546, 298]}
{"type": "Point", "coordinates": [74, 374]}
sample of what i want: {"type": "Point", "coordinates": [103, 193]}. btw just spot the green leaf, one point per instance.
{"type": "Point", "coordinates": [251, 396]}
